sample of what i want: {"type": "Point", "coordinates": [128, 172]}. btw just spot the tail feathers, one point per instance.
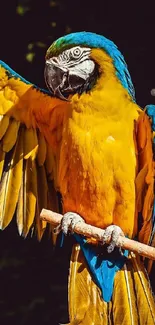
{"type": "Point", "coordinates": [132, 302]}
{"type": "Point", "coordinates": [124, 309]}
{"type": "Point", "coordinates": [143, 293]}
{"type": "Point", "coordinates": [86, 306]}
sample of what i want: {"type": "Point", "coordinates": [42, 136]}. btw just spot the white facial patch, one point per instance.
{"type": "Point", "coordinates": [73, 56]}
{"type": "Point", "coordinates": [83, 70]}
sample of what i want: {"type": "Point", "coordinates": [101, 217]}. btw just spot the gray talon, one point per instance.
{"type": "Point", "coordinates": [69, 221]}
{"type": "Point", "coordinates": [112, 232]}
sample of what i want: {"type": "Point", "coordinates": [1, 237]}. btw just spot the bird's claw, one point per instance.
{"type": "Point", "coordinates": [68, 222]}
{"type": "Point", "coordinates": [112, 233]}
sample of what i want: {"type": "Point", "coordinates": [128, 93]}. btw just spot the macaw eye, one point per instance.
{"type": "Point", "coordinates": [76, 53]}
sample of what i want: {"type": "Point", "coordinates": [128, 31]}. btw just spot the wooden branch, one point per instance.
{"type": "Point", "coordinates": [97, 233]}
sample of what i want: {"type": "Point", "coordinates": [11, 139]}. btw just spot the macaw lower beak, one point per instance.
{"type": "Point", "coordinates": [61, 81]}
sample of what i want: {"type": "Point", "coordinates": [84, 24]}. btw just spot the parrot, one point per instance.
{"type": "Point", "coordinates": [86, 138]}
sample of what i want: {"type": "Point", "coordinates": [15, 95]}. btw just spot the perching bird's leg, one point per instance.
{"type": "Point", "coordinates": [69, 220]}
{"type": "Point", "coordinates": [112, 232]}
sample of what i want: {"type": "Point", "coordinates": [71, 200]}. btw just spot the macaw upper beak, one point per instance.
{"type": "Point", "coordinates": [56, 79]}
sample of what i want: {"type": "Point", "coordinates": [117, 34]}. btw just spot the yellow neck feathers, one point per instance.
{"type": "Point", "coordinates": [108, 97]}
{"type": "Point", "coordinates": [100, 132]}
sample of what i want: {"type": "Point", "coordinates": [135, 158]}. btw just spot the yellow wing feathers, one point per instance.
{"type": "Point", "coordinates": [42, 149]}
{"type": "Point", "coordinates": [145, 178]}
{"type": "Point", "coordinates": [4, 123]}
{"type": "Point", "coordinates": [10, 184]}
{"type": "Point", "coordinates": [27, 162]}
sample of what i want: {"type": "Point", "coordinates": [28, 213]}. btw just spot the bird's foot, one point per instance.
{"type": "Point", "coordinates": [68, 223]}
{"type": "Point", "coordinates": [112, 233]}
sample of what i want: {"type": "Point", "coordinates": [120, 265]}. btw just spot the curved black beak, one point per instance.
{"type": "Point", "coordinates": [63, 82]}
{"type": "Point", "coordinates": [56, 79]}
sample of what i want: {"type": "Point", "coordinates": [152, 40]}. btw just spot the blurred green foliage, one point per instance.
{"type": "Point", "coordinates": [33, 278]}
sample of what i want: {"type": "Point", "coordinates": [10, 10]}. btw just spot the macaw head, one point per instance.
{"type": "Point", "coordinates": [75, 63]}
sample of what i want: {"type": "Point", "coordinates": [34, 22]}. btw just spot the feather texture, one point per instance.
{"type": "Point", "coordinates": [92, 309]}
{"type": "Point", "coordinates": [30, 143]}
{"type": "Point", "coordinates": [27, 201]}
{"type": "Point", "coordinates": [150, 110]}
{"type": "Point", "coordinates": [145, 300]}
{"type": "Point", "coordinates": [42, 197]}
{"type": "Point", "coordinates": [27, 185]}
{"type": "Point", "coordinates": [123, 301]}
{"type": "Point", "coordinates": [31, 194]}
{"type": "Point", "coordinates": [145, 177]}
{"type": "Point", "coordinates": [4, 123]}
{"type": "Point", "coordinates": [42, 149]}
{"type": "Point", "coordinates": [21, 205]}
{"type": "Point", "coordinates": [10, 184]}
{"type": "Point", "coordinates": [2, 159]}
{"type": "Point", "coordinates": [51, 165]}
{"type": "Point", "coordinates": [10, 136]}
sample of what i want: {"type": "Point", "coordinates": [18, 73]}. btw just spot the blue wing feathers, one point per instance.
{"type": "Point", "coordinates": [150, 110]}
{"type": "Point", "coordinates": [12, 74]}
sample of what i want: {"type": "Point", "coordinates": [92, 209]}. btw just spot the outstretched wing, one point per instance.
{"type": "Point", "coordinates": [145, 141]}
{"type": "Point", "coordinates": [148, 228]}
{"type": "Point", "coordinates": [145, 177]}
{"type": "Point", "coordinates": [30, 135]}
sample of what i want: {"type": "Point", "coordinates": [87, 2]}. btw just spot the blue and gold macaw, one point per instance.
{"type": "Point", "coordinates": [88, 139]}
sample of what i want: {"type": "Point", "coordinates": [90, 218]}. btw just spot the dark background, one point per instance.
{"type": "Point", "coordinates": [33, 278]}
